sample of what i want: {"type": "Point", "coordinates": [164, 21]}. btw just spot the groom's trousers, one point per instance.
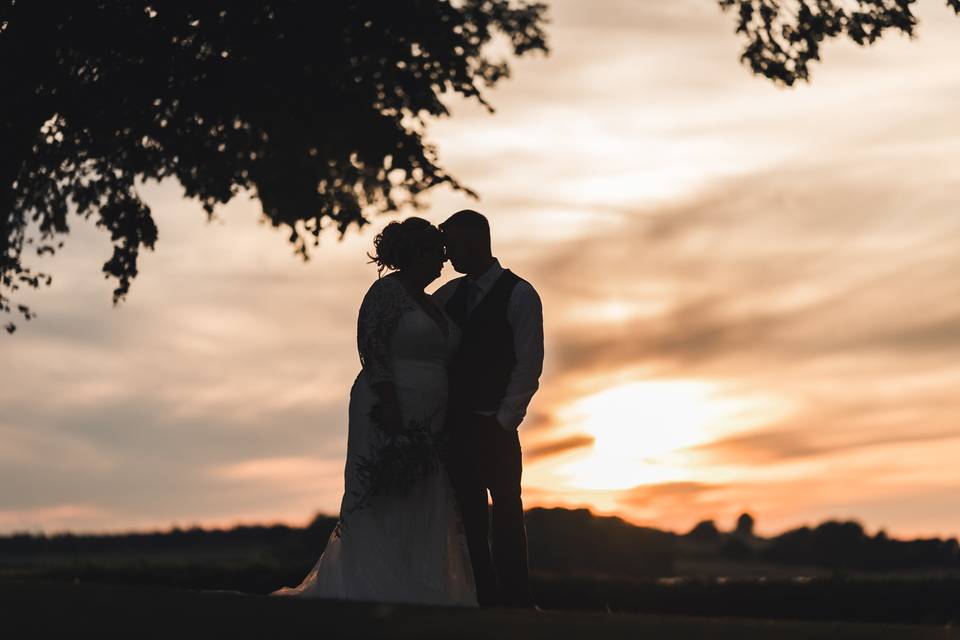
{"type": "Point", "coordinates": [485, 457]}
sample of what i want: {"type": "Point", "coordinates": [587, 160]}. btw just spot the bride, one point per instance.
{"type": "Point", "coordinates": [406, 546]}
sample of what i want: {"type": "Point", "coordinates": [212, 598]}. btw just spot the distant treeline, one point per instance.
{"type": "Point", "coordinates": [837, 545]}
{"type": "Point", "coordinates": [564, 541]}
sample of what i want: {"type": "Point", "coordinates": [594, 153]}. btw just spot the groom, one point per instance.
{"type": "Point", "coordinates": [493, 376]}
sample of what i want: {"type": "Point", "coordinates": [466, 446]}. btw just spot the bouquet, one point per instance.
{"type": "Point", "coordinates": [399, 462]}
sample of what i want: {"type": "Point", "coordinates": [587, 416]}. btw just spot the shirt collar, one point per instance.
{"type": "Point", "coordinates": [488, 277]}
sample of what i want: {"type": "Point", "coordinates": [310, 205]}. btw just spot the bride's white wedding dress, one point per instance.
{"type": "Point", "coordinates": [408, 547]}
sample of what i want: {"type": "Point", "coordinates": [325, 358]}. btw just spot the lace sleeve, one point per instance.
{"type": "Point", "coordinates": [380, 311]}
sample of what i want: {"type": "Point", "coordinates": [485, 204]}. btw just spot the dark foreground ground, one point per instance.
{"type": "Point", "coordinates": [32, 608]}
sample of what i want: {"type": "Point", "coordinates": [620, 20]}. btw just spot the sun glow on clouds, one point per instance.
{"type": "Point", "coordinates": [641, 428]}
{"type": "Point", "coordinates": [616, 310]}
{"type": "Point", "coordinates": [52, 516]}
{"type": "Point", "coordinates": [299, 469]}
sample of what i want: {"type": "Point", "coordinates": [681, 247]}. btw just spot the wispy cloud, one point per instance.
{"type": "Point", "coordinates": [58, 516]}
{"type": "Point", "coordinates": [554, 447]}
{"type": "Point", "coordinates": [297, 469]}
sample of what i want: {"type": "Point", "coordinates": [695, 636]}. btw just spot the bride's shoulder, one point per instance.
{"type": "Point", "coordinates": [384, 289]}
{"type": "Point", "coordinates": [383, 283]}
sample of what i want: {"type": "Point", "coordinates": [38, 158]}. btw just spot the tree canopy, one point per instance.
{"type": "Point", "coordinates": [318, 108]}
{"type": "Point", "coordinates": [784, 36]}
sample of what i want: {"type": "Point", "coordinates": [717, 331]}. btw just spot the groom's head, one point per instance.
{"type": "Point", "coordinates": [467, 237]}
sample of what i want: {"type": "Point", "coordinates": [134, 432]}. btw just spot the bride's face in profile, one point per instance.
{"type": "Point", "coordinates": [428, 266]}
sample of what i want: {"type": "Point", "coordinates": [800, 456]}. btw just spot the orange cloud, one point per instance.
{"type": "Point", "coordinates": [555, 447]}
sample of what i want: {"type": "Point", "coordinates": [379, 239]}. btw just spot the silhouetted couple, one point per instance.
{"type": "Point", "coordinates": [463, 362]}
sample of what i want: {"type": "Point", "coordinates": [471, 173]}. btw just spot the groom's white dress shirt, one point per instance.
{"type": "Point", "coordinates": [525, 316]}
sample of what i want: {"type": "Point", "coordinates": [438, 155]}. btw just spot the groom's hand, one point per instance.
{"type": "Point", "coordinates": [488, 422]}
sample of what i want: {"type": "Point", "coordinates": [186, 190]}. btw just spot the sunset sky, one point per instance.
{"type": "Point", "coordinates": [751, 299]}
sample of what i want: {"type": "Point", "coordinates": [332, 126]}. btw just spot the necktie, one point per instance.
{"type": "Point", "coordinates": [473, 291]}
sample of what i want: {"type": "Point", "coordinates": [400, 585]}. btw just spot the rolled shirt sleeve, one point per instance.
{"type": "Point", "coordinates": [525, 315]}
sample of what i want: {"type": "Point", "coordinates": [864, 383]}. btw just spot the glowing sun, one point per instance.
{"type": "Point", "coordinates": [640, 430]}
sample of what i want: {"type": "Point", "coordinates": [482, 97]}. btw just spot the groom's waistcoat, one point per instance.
{"type": "Point", "coordinates": [480, 371]}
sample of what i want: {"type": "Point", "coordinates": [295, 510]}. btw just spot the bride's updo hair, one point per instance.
{"type": "Point", "coordinates": [401, 244]}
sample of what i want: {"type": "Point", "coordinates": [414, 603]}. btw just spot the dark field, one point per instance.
{"type": "Point", "coordinates": [42, 609]}
{"type": "Point", "coordinates": [592, 575]}
{"type": "Point", "coordinates": [928, 601]}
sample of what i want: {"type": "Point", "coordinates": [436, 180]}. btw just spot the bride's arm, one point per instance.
{"type": "Point", "coordinates": [379, 313]}
{"type": "Point", "coordinates": [389, 416]}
